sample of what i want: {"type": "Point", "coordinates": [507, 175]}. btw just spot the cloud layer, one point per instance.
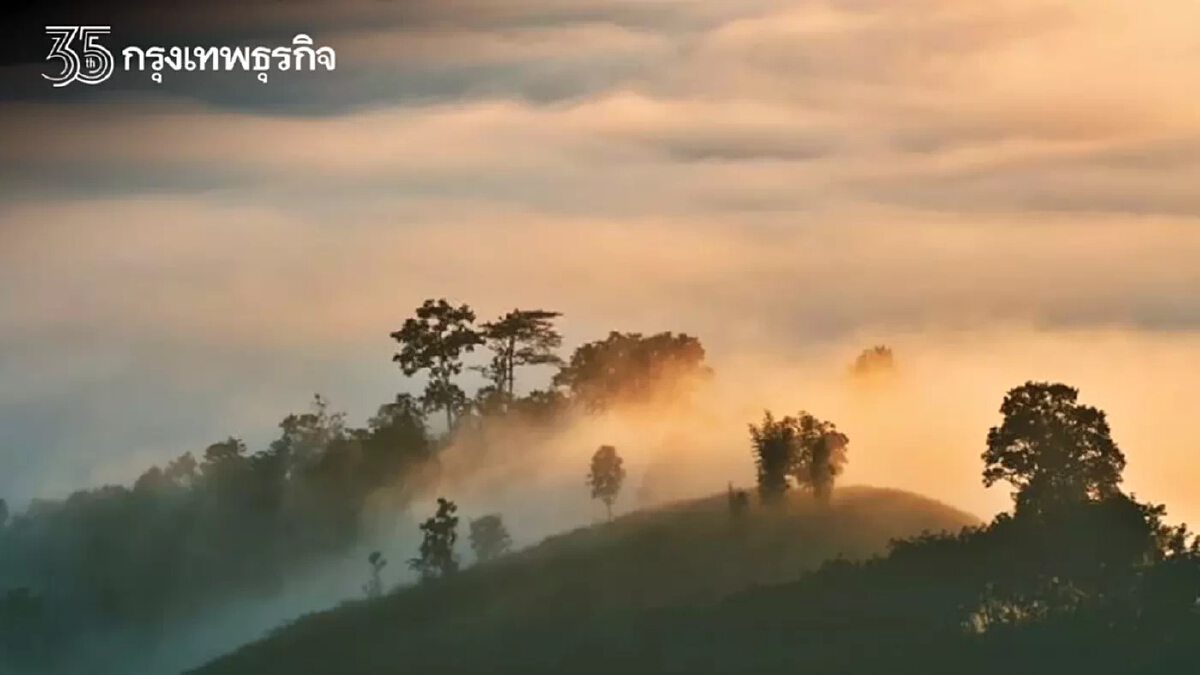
{"type": "Point", "coordinates": [187, 261]}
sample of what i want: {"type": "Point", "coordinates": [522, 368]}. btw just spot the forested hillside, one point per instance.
{"type": "Point", "coordinates": [795, 572]}
{"type": "Point", "coordinates": [688, 556]}
{"type": "Point", "coordinates": [108, 573]}
{"type": "Point", "coordinates": [1079, 577]}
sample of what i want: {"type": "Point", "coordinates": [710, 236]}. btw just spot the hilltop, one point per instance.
{"type": "Point", "coordinates": [683, 558]}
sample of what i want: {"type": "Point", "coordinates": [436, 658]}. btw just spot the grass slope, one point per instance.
{"type": "Point", "coordinates": [570, 589]}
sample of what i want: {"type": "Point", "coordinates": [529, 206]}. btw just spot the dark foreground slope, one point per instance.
{"type": "Point", "coordinates": [647, 591]}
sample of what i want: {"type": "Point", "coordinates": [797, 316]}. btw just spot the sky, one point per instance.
{"type": "Point", "coordinates": [1004, 191]}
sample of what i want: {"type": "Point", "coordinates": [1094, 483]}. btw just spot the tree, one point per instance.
{"type": "Point", "coordinates": [820, 457]}
{"type": "Point", "coordinates": [3, 513]}
{"type": "Point", "coordinates": [223, 523]}
{"type": "Point", "coordinates": [437, 557]}
{"type": "Point", "coordinates": [606, 476]}
{"type": "Point", "coordinates": [629, 368]}
{"type": "Point", "coordinates": [804, 449]}
{"type": "Point", "coordinates": [394, 443]}
{"type": "Point", "coordinates": [307, 435]}
{"type": "Point", "coordinates": [183, 471]}
{"type": "Point", "coordinates": [374, 586]}
{"type": "Point", "coordinates": [774, 454]}
{"type": "Point", "coordinates": [739, 502]}
{"type": "Point", "coordinates": [435, 340]}
{"type": "Point", "coordinates": [878, 359]}
{"type": "Point", "coordinates": [541, 406]}
{"type": "Point", "coordinates": [489, 537]}
{"type": "Point", "coordinates": [225, 467]}
{"type": "Point", "coordinates": [1051, 449]}
{"type": "Point", "coordinates": [519, 338]}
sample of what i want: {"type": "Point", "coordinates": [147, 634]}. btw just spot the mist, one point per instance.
{"type": "Point", "coordinates": [983, 189]}
{"type": "Point", "coordinates": [970, 311]}
{"type": "Point", "coordinates": [920, 428]}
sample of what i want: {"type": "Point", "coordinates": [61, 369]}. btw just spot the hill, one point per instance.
{"type": "Point", "coordinates": [682, 560]}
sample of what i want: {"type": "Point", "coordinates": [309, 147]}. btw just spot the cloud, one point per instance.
{"type": "Point", "coordinates": [925, 104]}
{"type": "Point", "coordinates": [186, 269]}
{"type": "Point", "coordinates": [535, 49]}
{"type": "Point", "coordinates": [770, 175]}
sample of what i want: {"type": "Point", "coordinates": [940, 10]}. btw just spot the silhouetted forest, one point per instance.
{"type": "Point", "coordinates": [228, 522]}
{"type": "Point", "coordinates": [1079, 576]}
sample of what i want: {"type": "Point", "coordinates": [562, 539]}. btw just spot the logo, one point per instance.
{"type": "Point", "coordinates": [91, 64]}
{"type": "Point", "coordinates": [83, 59]}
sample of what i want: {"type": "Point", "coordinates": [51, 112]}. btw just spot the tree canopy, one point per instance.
{"type": "Point", "coordinates": [1052, 449]}
{"type": "Point", "coordinates": [774, 451]}
{"type": "Point", "coordinates": [517, 339]}
{"type": "Point", "coordinates": [606, 476]}
{"type": "Point", "coordinates": [435, 340]}
{"type": "Point", "coordinates": [437, 557]}
{"type": "Point", "coordinates": [189, 535]}
{"type": "Point", "coordinates": [374, 586]}
{"type": "Point", "coordinates": [489, 537]}
{"type": "Point", "coordinates": [632, 369]}
{"type": "Point", "coordinates": [801, 450]}
{"type": "Point", "coordinates": [877, 359]}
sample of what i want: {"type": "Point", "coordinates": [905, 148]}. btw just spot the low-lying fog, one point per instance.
{"type": "Point", "coordinates": [921, 428]}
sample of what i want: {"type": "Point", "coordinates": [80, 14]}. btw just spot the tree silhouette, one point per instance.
{"type": "Point", "coordinates": [489, 537]}
{"type": "Point", "coordinates": [435, 340]}
{"type": "Point", "coordinates": [519, 338]}
{"type": "Point", "coordinates": [394, 444]}
{"type": "Point", "coordinates": [1080, 566]}
{"type": "Point", "coordinates": [225, 463]}
{"type": "Point", "coordinates": [3, 513]}
{"type": "Point", "coordinates": [774, 448]}
{"type": "Point", "coordinates": [182, 471]}
{"type": "Point", "coordinates": [541, 406]}
{"type": "Point", "coordinates": [739, 502]}
{"type": "Point", "coordinates": [437, 557]}
{"type": "Point", "coordinates": [374, 586]}
{"type": "Point", "coordinates": [820, 456]}
{"type": "Point", "coordinates": [878, 359]}
{"type": "Point", "coordinates": [629, 368]}
{"type": "Point", "coordinates": [809, 451]}
{"type": "Point", "coordinates": [1051, 449]}
{"type": "Point", "coordinates": [606, 476]}
{"type": "Point", "coordinates": [192, 534]}
{"type": "Point", "coordinates": [305, 436]}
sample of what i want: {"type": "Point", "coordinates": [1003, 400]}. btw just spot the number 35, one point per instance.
{"type": "Point", "coordinates": [96, 64]}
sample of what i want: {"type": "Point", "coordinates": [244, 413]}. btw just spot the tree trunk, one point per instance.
{"type": "Point", "coordinates": [512, 357]}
